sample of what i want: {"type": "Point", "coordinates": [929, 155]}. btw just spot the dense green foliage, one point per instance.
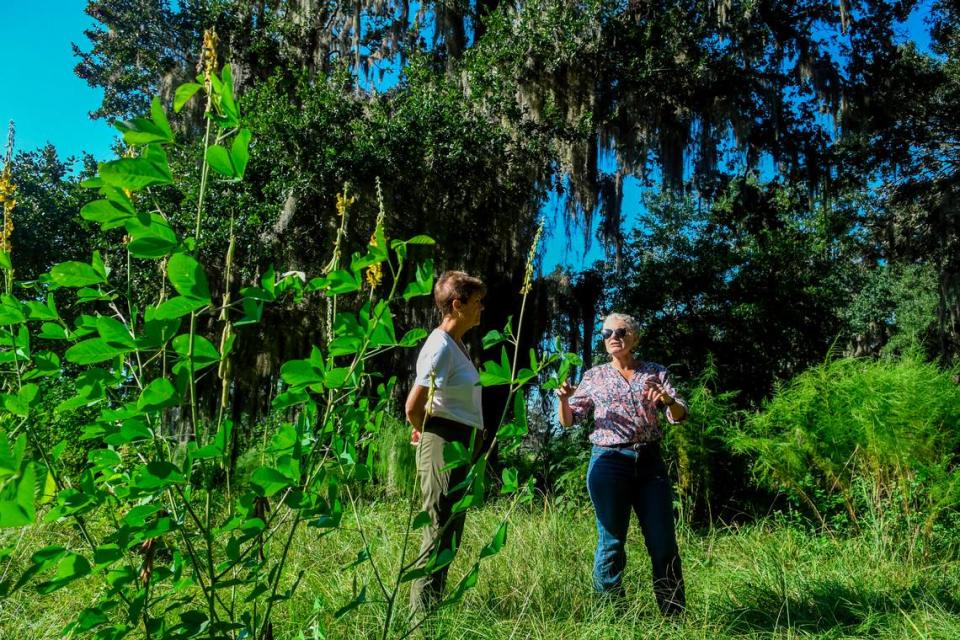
{"type": "Point", "coordinates": [880, 435]}
{"type": "Point", "coordinates": [201, 370]}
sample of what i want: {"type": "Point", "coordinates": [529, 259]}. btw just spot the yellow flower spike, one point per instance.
{"type": "Point", "coordinates": [208, 54]}
{"type": "Point", "coordinates": [7, 192]}
{"type": "Point", "coordinates": [374, 275]}
{"type": "Point", "coordinates": [343, 203]}
{"type": "Point", "coordinates": [528, 274]}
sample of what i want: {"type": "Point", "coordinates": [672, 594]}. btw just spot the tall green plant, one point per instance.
{"type": "Point", "coordinates": [181, 553]}
{"type": "Point", "coordinates": [879, 434]}
{"type": "Point", "coordinates": [696, 444]}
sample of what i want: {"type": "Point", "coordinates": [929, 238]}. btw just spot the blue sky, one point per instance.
{"type": "Point", "coordinates": [41, 94]}
{"type": "Point", "coordinates": [50, 104]}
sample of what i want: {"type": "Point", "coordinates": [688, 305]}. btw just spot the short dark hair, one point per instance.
{"type": "Point", "coordinates": [455, 285]}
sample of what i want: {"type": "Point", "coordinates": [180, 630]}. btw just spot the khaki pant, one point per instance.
{"type": "Point", "coordinates": [438, 500]}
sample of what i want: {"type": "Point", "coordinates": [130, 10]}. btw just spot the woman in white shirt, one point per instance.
{"type": "Point", "coordinates": [450, 383]}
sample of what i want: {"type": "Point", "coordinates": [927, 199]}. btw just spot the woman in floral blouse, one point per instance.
{"type": "Point", "coordinates": [626, 472]}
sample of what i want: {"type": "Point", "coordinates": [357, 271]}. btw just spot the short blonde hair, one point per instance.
{"type": "Point", "coordinates": [626, 319]}
{"type": "Point", "coordinates": [455, 285]}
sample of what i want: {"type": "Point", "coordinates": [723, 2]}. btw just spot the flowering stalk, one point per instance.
{"type": "Point", "coordinates": [8, 191]}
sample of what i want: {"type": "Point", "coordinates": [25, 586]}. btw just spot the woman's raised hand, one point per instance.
{"type": "Point", "coordinates": [656, 394]}
{"type": "Point", "coordinates": [564, 391]}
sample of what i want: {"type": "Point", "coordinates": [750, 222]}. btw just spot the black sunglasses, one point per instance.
{"type": "Point", "coordinates": [619, 332]}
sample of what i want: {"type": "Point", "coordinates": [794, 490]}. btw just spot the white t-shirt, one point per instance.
{"type": "Point", "coordinates": [456, 382]}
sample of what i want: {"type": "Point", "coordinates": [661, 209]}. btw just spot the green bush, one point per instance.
{"type": "Point", "coordinates": [695, 445]}
{"type": "Point", "coordinates": [878, 436]}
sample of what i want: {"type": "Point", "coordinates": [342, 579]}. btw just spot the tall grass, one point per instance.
{"type": "Point", "coordinates": [768, 580]}
{"type": "Point", "coordinates": [880, 437]}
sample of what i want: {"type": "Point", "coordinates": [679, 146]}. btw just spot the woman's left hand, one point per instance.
{"type": "Point", "coordinates": [656, 394]}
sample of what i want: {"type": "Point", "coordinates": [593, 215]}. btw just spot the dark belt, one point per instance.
{"type": "Point", "coordinates": [450, 430]}
{"type": "Point", "coordinates": [640, 447]}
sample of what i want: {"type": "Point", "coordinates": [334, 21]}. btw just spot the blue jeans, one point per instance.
{"type": "Point", "coordinates": [625, 480]}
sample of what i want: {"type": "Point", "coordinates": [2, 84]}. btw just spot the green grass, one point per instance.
{"type": "Point", "coordinates": [766, 580]}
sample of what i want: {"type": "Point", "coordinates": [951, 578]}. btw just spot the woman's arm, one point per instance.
{"type": "Point", "coordinates": [416, 406]}
{"type": "Point", "coordinates": [564, 392]}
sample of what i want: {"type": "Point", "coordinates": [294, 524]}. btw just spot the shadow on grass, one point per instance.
{"type": "Point", "coordinates": [830, 605]}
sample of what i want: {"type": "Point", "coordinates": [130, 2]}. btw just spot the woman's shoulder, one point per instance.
{"type": "Point", "coordinates": [436, 342]}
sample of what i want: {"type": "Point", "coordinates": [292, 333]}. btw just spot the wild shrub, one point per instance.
{"type": "Point", "coordinates": [195, 544]}
{"type": "Point", "coordinates": [881, 436]}
{"type": "Point", "coordinates": [696, 446]}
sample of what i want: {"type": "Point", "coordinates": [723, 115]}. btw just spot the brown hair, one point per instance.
{"type": "Point", "coordinates": [455, 285]}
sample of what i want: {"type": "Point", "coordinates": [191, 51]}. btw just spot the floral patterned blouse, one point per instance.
{"type": "Point", "coordinates": [621, 414]}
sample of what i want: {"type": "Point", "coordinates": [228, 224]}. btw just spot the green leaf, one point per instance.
{"type": "Point", "coordinates": [468, 582]}
{"type": "Point", "coordinates": [454, 455]}
{"type": "Point", "coordinates": [86, 294]}
{"type": "Point", "coordinates": [41, 311]}
{"type": "Point", "coordinates": [300, 373]}
{"type": "Point", "coordinates": [353, 604]}
{"type": "Point", "coordinates": [183, 94]}
{"type": "Point", "coordinates": [493, 373]}
{"type": "Point", "coordinates": [188, 278]}
{"type": "Point", "coordinates": [423, 285]}
{"type": "Point", "coordinates": [45, 363]}
{"type": "Point", "coordinates": [227, 102]}
{"type": "Point", "coordinates": [177, 307]}
{"type": "Point", "coordinates": [290, 398]}
{"type": "Point", "coordinates": [204, 353]}
{"type": "Point", "coordinates": [155, 476]}
{"type": "Point", "coordinates": [219, 160]}
{"type": "Point", "coordinates": [345, 346]}
{"type": "Point", "coordinates": [158, 394]}
{"type": "Point", "coordinates": [149, 169]}
{"type": "Point", "coordinates": [141, 131]}
{"type": "Point", "coordinates": [137, 516]}
{"type": "Point", "coordinates": [160, 118]}
{"type": "Point", "coordinates": [16, 499]}
{"type": "Point", "coordinates": [106, 213]}
{"type": "Point", "coordinates": [157, 331]}
{"type": "Point", "coordinates": [421, 520]}
{"type": "Point", "coordinates": [422, 239]}
{"type": "Point", "coordinates": [492, 338]}
{"type": "Point", "coordinates": [510, 483]}
{"type": "Point", "coordinates": [382, 333]}
{"type": "Point", "coordinates": [343, 281]}
{"type": "Point", "coordinates": [269, 481]}
{"type": "Point", "coordinates": [413, 337]}
{"type": "Point", "coordinates": [75, 274]}
{"type": "Point", "coordinates": [240, 152]}
{"type": "Point", "coordinates": [132, 430]}
{"type": "Point", "coordinates": [115, 334]}
{"type": "Point", "coordinates": [72, 566]}
{"type": "Point", "coordinates": [252, 312]}
{"type": "Point", "coordinates": [91, 387]}
{"type": "Point", "coordinates": [499, 540]}
{"type": "Point", "coordinates": [51, 331]}
{"type": "Point", "coordinates": [21, 403]}
{"type": "Point", "coordinates": [336, 378]}
{"type": "Point", "coordinates": [10, 312]}
{"type": "Point", "coordinates": [93, 350]}
{"type": "Point", "coordinates": [153, 239]}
